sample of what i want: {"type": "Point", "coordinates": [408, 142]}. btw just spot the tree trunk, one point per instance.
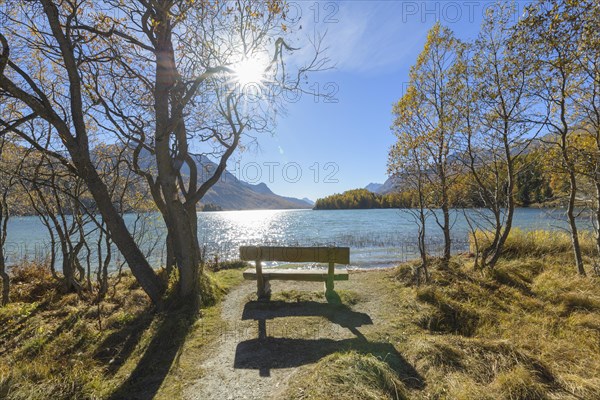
{"type": "Point", "coordinates": [573, 223]}
{"type": "Point", "coordinates": [171, 260]}
{"type": "Point", "coordinates": [185, 248]}
{"type": "Point", "coordinates": [510, 201]}
{"type": "Point", "coordinates": [447, 238]}
{"type": "Point", "coordinates": [5, 280]}
{"type": "Point", "coordinates": [422, 243]}
{"type": "Point", "coordinates": [446, 213]}
{"type": "Point", "coordinates": [120, 235]}
{"type": "Point", "coordinates": [182, 246]}
{"type": "Point", "coordinates": [180, 219]}
{"type": "Point", "coordinates": [489, 249]}
{"type": "Point", "coordinates": [598, 216]}
{"type": "Point", "coordinates": [67, 268]}
{"type": "Point", "coordinates": [192, 215]}
{"type": "Point", "coordinates": [3, 274]}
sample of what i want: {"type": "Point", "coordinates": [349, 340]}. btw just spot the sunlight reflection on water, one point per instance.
{"type": "Point", "coordinates": [377, 238]}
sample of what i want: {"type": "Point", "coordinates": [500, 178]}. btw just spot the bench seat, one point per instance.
{"type": "Point", "coordinates": [296, 275]}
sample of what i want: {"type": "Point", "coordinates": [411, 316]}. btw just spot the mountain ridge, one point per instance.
{"type": "Point", "coordinates": [231, 193]}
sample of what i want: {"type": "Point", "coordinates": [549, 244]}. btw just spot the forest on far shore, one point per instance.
{"type": "Point", "coordinates": [537, 185]}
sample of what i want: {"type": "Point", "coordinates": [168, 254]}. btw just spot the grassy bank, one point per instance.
{"type": "Point", "coordinates": [528, 330]}
{"type": "Point", "coordinates": [56, 346]}
{"type": "Point", "coordinates": [541, 243]}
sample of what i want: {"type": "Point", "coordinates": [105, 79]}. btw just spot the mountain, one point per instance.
{"type": "Point", "coordinates": [392, 184]}
{"type": "Point", "coordinates": [230, 193]}
{"type": "Point", "coordinates": [309, 201]}
{"type": "Point", "coordinates": [373, 187]}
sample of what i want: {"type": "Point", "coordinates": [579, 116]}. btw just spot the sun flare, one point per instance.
{"type": "Point", "coordinates": [250, 71]}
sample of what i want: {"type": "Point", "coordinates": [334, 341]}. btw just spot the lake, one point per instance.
{"type": "Point", "coordinates": [377, 238]}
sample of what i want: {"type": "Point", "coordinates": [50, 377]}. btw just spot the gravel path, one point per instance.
{"type": "Point", "coordinates": [239, 365]}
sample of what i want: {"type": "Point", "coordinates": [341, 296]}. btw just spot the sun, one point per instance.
{"type": "Point", "coordinates": [250, 71]}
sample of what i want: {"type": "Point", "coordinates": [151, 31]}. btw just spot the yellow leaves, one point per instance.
{"type": "Point", "coordinates": [275, 7]}
{"type": "Point", "coordinates": [154, 22]}
{"type": "Point", "coordinates": [253, 13]}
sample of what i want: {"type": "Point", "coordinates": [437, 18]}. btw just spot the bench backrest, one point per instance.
{"type": "Point", "coordinates": [338, 255]}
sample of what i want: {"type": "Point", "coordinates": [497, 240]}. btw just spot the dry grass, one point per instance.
{"type": "Point", "coordinates": [349, 376]}
{"type": "Point", "coordinates": [541, 243]}
{"type": "Point", "coordinates": [530, 329]}
{"type": "Point", "coordinates": [56, 346]}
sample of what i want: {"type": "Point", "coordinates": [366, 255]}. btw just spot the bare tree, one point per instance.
{"type": "Point", "coordinates": [40, 71]}
{"type": "Point", "coordinates": [57, 195]}
{"type": "Point", "coordinates": [436, 120]}
{"type": "Point", "coordinates": [408, 161]}
{"type": "Point", "coordinates": [187, 83]}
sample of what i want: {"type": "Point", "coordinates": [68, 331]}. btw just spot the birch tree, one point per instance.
{"type": "Point", "coordinates": [551, 31]}
{"type": "Point", "coordinates": [497, 123]}
{"type": "Point", "coordinates": [435, 112]}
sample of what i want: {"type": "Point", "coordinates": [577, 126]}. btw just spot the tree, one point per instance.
{"type": "Point", "coordinates": [181, 88]}
{"type": "Point", "coordinates": [409, 159]}
{"type": "Point", "coordinates": [496, 123]}
{"type": "Point", "coordinates": [351, 199]}
{"type": "Point", "coordinates": [533, 185]}
{"type": "Point", "coordinates": [8, 182]}
{"type": "Point", "coordinates": [587, 100]}
{"type": "Point", "coordinates": [551, 31]}
{"type": "Point", "coordinates": [41, 61]}
{"type": "Point", "coordinates": [162, 79]}
{"type": "Point", "coordinates": [57, 196]}
{"type": "Point", "coordinates": [434, 116]}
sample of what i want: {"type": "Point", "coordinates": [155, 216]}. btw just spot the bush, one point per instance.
{"type": "Point", "coordinates": [519, 383]}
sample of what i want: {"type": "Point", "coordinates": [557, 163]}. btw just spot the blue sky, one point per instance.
{"type": "Point", "coordinates": [373, 44]}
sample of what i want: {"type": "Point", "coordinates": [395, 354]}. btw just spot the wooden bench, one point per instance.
{"type": "Point", "coordinates": [329, 255]}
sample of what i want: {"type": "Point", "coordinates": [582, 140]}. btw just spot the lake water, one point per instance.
{"type": "Point", "coordinates": [377, 238]}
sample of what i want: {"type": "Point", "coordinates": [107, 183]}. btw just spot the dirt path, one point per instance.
{"type": "Point", "coordinates": [240, 365]}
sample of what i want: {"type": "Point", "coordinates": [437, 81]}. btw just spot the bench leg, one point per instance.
{"type": "Point", "coordinates": [329, 282]}
{"type": "Point", "coordinates": [329, 287]}
{"type": "Point", "coordinates": [266, 289]}
{"type": "Point", "coordinates": [263, 288]}
{"type": "Point", "coordinates": [260, 287]}
{"type": "Point", "coordinates": [263, 291]}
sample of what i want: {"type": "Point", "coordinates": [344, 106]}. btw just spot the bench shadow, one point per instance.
{"type": "Point", "coordinates": [266, 353]}
{"type": "Point", "coordinates": [335, 312]}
